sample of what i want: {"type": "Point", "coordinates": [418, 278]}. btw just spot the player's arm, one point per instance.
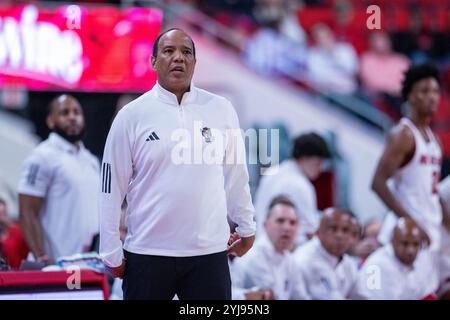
{"type": "Point", "coordinates": [399, 148]}
{"type": "Point", "coordinates": [29, 208]}
{"type": "Point", "coordinates": [35, 181]}
{"type": "Point", "coordinates": [445, 214]}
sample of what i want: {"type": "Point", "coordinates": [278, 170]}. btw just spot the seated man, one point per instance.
{"type": "Point", "coordinates": [399, 270]}
{"type": "Point", "coordinates": [327, 271]}
{"type": "Point", "coordinates": [269, 265]}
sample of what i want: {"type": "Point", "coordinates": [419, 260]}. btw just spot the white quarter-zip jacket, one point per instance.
{"type": "Point", "coordinates": [174, 164]}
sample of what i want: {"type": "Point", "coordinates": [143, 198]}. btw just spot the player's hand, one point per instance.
{"type": "Point", "coordinates": [116, 272]}
{"type": "Point", "coordinates": [240, 246]}
{"type": "Point", "coordinates": [233, 237]}
{"type": "Point", "coordinates": [261, 294]}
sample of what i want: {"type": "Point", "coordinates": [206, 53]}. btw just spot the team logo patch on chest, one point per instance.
{"type": "Point", "coordinates": [206, 133]}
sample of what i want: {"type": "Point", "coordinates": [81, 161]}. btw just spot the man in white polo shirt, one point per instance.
{"type": "Point", "coordinates": [328, 272]}
{"type": "Point", "coordinates": [174, 154]}
{"type": "Point", "coordinates": [400, 270]}
{"type": "Point", "coordinates": [58, 189]}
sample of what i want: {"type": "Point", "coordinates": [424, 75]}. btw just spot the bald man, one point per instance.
{"type": "Point", "coordinates": [58, 189]}
{"type": "Point", "coordinates": [399, 270]}
{"type": "Point", "coordinates": [328, 272]}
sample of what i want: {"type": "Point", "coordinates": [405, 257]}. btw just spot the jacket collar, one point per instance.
{"type": "Point", "coordinates": [170, 98]}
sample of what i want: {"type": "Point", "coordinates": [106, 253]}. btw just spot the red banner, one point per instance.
{"type": "Point", "coordinates": [78, 48]}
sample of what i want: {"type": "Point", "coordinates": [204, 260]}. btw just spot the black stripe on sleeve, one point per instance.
{"type": "Point", "coordinates": [109, 178]}
{"type": "Point", "coordinates": [103, 176]}
{"type": "Point", "coordinates": [32, 174]}
{"type": "Point", "coordinates": [106, 177]}
{"type": "Point", "coordinates": [30, 171]}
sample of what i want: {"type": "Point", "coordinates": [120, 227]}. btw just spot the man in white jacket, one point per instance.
{"type": "Point", "coordinates": [174, 154]}
{"type": "Point", "coordinates": [400, 270]}
{"type": "Point", "coordinates": [328, 272]}
{"type": "Point", "coordinates": [270, 264]}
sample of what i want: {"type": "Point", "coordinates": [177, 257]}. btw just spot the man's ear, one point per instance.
{"type": "Point", "coordinates": [153, 62]}
{"type": "Point", "coordinates": [50, 122]}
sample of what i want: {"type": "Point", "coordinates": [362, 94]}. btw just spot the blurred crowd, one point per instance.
{"type": "Point", "coordinates": [328, 45]}
{"type": "Point", "coordinates": [301, 252]}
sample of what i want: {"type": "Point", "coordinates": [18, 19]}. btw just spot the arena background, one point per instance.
{"type": "Point", "coordinates": [268, 84]}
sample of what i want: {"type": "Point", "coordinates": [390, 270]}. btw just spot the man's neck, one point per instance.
{"type": "Point", "coordinates": [179, 96]}
{"type": "Point", "coordinates": [420, 122]}
{"type": "Point", "coordinates": [178, 93]}
{"type": "Point", "coordinates": [76, 144]}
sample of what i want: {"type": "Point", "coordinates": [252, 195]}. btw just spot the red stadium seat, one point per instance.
{"type": "Point", "coordinates": [441, 123]}
{"type": "Point", "coordinates": [310, 16]}
{"type": "Point", "coordinates": [401, 19]}
{"type": "Point", "coordinates": [442, 18]}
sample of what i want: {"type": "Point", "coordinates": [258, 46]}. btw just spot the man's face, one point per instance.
{"type": "Point", "coordinates": [424, 97]}
{"type": "Point", "coordinates": [175, 61]}
{"type": "Point", "coordinates": [281, 227]}
{"type": "Point", "coordinates": [312, 167]}
{"type": "Point", "coordinates": [66, 119]}
{"type": "Point", "coordinates": [407, 245]}
{"type": "Point", "coordinates": [335, 232]}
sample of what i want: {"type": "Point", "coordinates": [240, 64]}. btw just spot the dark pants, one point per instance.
{"type": "Point", "coordinates": [204, 277]}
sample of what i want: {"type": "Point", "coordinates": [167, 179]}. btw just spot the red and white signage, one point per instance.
{"type": "Point", "coordinates": [78, 48]}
